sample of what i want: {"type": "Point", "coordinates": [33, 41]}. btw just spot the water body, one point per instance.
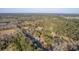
{"type": "Point", "coordinates": [35, 41]}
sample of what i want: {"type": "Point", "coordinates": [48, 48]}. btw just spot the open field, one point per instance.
{"type": "Point", "coordinates": [39, 32]}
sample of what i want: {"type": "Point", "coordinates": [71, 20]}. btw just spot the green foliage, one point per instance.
{"type": "Point", "coordinates": [65, 29]}
{"type": "Point", "coordinates": [21, 41]}
{"type": "Point", "coordinates": [48, 39]}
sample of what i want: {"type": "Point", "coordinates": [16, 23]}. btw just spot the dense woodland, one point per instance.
{"type": "Point", "coordinates": [39, 33]}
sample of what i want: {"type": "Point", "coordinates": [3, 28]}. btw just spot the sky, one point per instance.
{"type": "Point", "coordinates": [40, 10]}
